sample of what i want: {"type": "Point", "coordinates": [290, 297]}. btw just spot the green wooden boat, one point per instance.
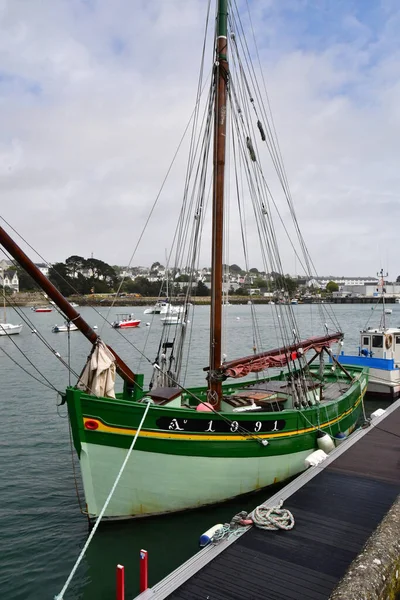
{"type": "Point", "coordinates": [185, 459]}
{"type": "Point", "coordinates": [200, 446]}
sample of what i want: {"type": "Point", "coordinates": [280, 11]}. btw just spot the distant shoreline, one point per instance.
{"type": "Point", "coordinates": [37, 299]}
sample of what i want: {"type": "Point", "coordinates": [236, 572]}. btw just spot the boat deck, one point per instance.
{"type": "Point", "coordinates": [337, 505]}
{"type": "Point", "coordinates": [332, 389]}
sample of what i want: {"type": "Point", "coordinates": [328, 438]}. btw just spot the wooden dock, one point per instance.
{"type": "Point", "coordinates": [337, 505]}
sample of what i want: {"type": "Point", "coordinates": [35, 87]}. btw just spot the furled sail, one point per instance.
{"type": "Point", "coordinates": [279, 357]}
{"type": "Point", "coordinates": [98, 376]}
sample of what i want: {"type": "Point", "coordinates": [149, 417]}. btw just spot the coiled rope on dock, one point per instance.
{"type": "Point", "coordinates": [269, 518]}
{"type": "Point", "coordinates": [60, 596]}
{"type": "Point", "coordinates": [272, 518]}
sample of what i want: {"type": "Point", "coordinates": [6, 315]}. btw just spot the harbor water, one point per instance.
{"type": "Point", "coordinates": [42, 528]}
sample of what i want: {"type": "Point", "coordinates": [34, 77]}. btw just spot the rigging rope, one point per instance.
{"type": "Point", "coordinates": [272, 139]}
{"type": "Point", "coordinates": [48, 384]}
{"type": "Point", "coordinates": [31, 325]}
{"type": "Point", "coordinates": [60, 596]}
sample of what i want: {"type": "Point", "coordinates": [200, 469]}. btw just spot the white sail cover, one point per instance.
{"type": "Point", "coordinates": [98, 376]}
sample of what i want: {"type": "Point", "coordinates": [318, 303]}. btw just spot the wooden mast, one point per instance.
{"type": "Point", "coordinates": [63, 304]}
{"type": "Point", "coordinates": [220, 113]}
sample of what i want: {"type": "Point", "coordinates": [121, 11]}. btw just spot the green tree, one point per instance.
{"type": "Point", "coordinates": [59, 276]}
{"type": "Point", "coordinates": [118, 270]}
{"type": "Point", "coordinates": [242, 291]}
{"type": "Point", "coordinates": [201, 289]}
{"type": "Point", "coordinates": [142, 286]}
{"type": "Point", "coordinates": [75, 264]}
{"type": "Point", "coordinates": [332, 286]}
{"type": "Point", "coordinates": [101, 271]}
{"type": "Point", "coordinates": [129, 287]}
{"type": "Point", "coordinates": [26, 283]}
{"type": "Point", "coordinates": [285, 284]}
{"type": "Point", "coordinates": [99, 285]}
{"type": "Point", "coordinates": [235, 269]}
{"type": "Point", "coordinates": [291, 285]}
{"type": "Point", "coordinates": [259, 282]}
{"type": "Point", "coordinates": [82, 284]}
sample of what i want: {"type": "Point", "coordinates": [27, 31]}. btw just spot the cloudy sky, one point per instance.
{"type": "Point", "coordinates": [95, 95]}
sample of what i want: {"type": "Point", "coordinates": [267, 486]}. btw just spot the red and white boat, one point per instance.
{"type": "Point", "coordinates": [42, 309]}
{"type": "Point", "coordinates": [124, 321]}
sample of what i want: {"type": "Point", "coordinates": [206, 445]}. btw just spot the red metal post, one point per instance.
{"type": "Point", "coordinates": [120, 582]}
{"type": "Point", "coordinates": [143, 571]}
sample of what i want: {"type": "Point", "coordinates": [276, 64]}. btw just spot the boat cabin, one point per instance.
{"type": "Point", "coordinates": [381, 343]}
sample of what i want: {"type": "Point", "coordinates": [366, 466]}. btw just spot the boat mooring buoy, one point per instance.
{"type": "Point", "coordinates": [207, 536]}
{"type": "Point", "coordinates": [325, 442]}
{"type": "Point", "coordinates": [339, 438]}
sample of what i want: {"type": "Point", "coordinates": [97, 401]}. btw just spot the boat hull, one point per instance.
{"type": "Point", "coordinates": [64, 328]}
{"type": "Point", "coordinates": [127, 325]}
{"type": "Point", "coordinates": [172, 321]}
{"type": "Point", "coordinates": [184, 459]}
{"type": "Point", "coordinates": [152, 311]}
{"type": "Point", "coordinates": [154, 483]}
{"type": "Point", "coordinates": [9, 329]}
{"type": "Point", "coordinates": [384, 384]}
{"type": "Point", "coordinates": [384, 376]}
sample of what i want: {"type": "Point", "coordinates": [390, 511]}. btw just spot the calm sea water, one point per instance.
{"type": "Point", "coordinates": [41, 528]}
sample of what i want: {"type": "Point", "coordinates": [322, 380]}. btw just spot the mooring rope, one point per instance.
{"type": "Point", "coordinates": [269, 518]}
{"type": "Point", "coordinates": [272, 518]}
{"type": "Point", "coordinates": [60, 596]}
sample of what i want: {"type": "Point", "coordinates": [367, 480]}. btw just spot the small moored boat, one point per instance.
{"type": "Point", "coordinates": [125, 321]}
{"type": "Point", "coordinates": [10, 329]}
{"type": "Point", "coordinates": [379, 350]}
{"type": "Point", "coordinates": [64, 328]}
{"type": "Point", "coordinates": [160, 307]}
{"type": "Point", "coordinates": [172, 319]}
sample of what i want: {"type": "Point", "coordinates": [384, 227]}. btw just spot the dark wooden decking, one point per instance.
{"type": "Point", "coordinates": [336, 505]}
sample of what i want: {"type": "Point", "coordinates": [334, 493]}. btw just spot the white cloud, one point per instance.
{"type": "Point", "coordinates": [94, 97]}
